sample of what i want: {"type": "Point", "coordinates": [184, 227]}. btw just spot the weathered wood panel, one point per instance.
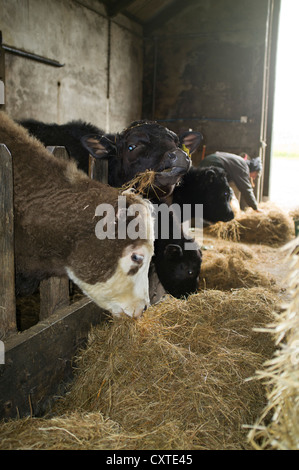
{"type": "Point", "coordinates": [54, 294]}
{"type": "Point", "coordinates": [7, 276]}
{"type": "Point", "coordinates": [2, 75]}
{"type": "Point", "coordinates": [38, 362]}
{"type": "Point", "coordinates": [98, 169]}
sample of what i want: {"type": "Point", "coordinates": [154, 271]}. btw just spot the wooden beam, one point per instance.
{"type": "Point", "coordinates": [265, 190]}
{"type": "Point", "coordinates": [54, 292]}
{"type": "Point", "coordinates": [98, 169]}
{"type": "Point", "coordinates": [2, 75]}
{"type": "Point", "coordinates": [39, 361]}
{"type": "Point", "coordinates": [7, 272]}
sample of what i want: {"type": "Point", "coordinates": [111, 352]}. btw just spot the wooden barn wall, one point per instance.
{"type": "Point", "coordinates": [204, 70]}
{"type": "Point", "coordinates": [101, 80]}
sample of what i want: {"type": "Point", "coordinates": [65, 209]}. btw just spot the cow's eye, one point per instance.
{"type": "Point", "coordinates": [136, 258]}
{"type": "Point", "coordinates": [190, 272]}
{"type": "Point", "coordinates": [131, 147]}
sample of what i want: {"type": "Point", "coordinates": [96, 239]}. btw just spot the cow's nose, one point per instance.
{"type": "Point", "coordinates": [178, 154]}
{"type": "Point", "coordinates": [139, 311]}
{"type": "Point", "coordinates": [172, 156]}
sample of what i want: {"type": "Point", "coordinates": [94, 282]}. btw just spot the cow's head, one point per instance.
{"type": "Point", "coordinates": [178, 269]}
{"type": "Point", "coordinates": [146, 145]}
{"type": "Point", "coordinates": [213, 192]}
{"type": "Point", "coordinates": [114, 272]}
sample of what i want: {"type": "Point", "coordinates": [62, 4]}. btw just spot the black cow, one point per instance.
{"type": "Point", "coordinates": [209, 187]}
{"type": "Point", "coordinates": [176, 266]}
{"type": "Point", "coordinates": [144, 145]}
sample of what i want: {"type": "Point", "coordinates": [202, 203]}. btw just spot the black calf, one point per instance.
{"type": "Point", "coordinates": [209, 187]}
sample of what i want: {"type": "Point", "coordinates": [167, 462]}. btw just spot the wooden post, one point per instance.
{"type": "Point", "coordinates": [2, 75]}
{"type": "Point", "coordinates": [98, 169]}
{"type": "Point", "coordinates": [54, 292]}
{"type": "Point", "coordinates": [7, 272]}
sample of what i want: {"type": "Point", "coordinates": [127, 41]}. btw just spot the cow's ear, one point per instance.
{"type": "Point", "coordinates": [99, 146]}
{"type": "Point", "coordinates": [173, 251]}
{"type": "Point", "coordinates": [210, 175]}
{"type": "Point", "coordinates": [191, 140]}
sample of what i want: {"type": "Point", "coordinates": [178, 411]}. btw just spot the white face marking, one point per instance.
{"type": "Point", "coordinates": [127, 291]}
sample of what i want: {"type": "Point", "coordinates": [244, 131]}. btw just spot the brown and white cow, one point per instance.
{"type": "Point", "coordinates": [55, 210]}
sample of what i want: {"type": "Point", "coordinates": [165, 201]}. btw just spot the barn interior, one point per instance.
{"type": "Point", "coordinates": [203, 65]}
{"type": "Point", "coordinates": [206, 65]}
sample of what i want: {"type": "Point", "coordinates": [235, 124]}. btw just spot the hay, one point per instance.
{"type": "Point", "coordinates": [225, 230]}
{"type": "Point", "coordinates": [228, 265]}
{"type": "Point", "coordinates": [272, 227]}
{"type": "Point", "coordinates": [294, 213]}
{"type": "Point", "coordinates": [281, 373]}
{"type": "Point", "coordinates": [85, 431]}
{"type": "Point", "coordinates": [175, 379]}
{"type": "Point", "coordinates": [142, 183]}
{"type": "Point", "coordinates": [59, 433]}
{"type": "Point", "coordinates": [184, 363]}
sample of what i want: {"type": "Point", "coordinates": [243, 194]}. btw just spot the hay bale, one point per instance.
{"type": "Point", "coordinates": [272, 227]}
{"type": "Point", "coordinates": [281, 373]}
{"type": "Point", "coordinates": [227, 265]}
{"type": "Point", "coordinates": [183, 363]}
{"type": "Point", "coordinates": [173, 379]}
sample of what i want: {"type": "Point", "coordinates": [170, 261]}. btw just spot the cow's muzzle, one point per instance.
{"type": "Point", "coordinates": [175, 164]}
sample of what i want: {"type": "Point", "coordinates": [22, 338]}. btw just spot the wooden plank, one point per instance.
{"type": "Point", "coordinates": [59, 152]}
{"type": "Point", "coordinates": [54, 292]}
{"type": "Point", "coordinates": [7, 273]}
{"type": "Point", "coordinates": [2, 75]}
{"type": "Point", "coordinates": [38, 362]}
{"type": "Point", "coordinates": [98, 169]}
{"type": "Point", "coordinates": [265, 180]}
